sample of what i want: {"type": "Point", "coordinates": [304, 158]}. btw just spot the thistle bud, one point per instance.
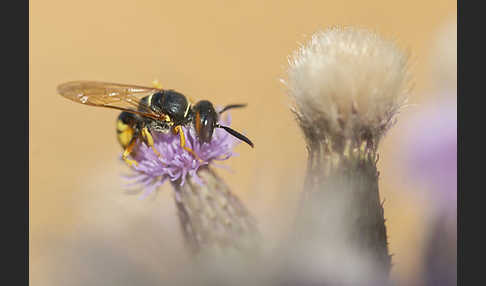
{"type": "Point", "coordinates": [347, 85]}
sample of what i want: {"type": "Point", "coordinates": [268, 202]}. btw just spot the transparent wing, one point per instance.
{"type": "Point", "coordinates": [111, 95]}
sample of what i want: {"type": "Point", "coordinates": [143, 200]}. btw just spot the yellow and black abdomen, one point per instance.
{"type": "Point", "coordinates": [127, 128]}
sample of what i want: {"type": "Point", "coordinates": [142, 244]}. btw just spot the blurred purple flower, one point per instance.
{"type": "Point", "coordinates": [431, 150]}
{"type": "Point", "coordinates": [176, 163]}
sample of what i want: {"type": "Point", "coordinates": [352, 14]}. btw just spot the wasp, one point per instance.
{"type": "Point", "coordinates": [150, 109]}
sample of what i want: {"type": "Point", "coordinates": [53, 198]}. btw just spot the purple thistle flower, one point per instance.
{"type": "Point", "coordinates": [430, 150]}
{"type": "Point", "coordinates": [218, 218]}
{"type": "Point", "coordinates": [175, 163]}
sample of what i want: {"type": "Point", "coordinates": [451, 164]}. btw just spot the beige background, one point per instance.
{"type": "Point", "coordinates": [225, 51]}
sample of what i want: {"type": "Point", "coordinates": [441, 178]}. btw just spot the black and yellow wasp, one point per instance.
{"type": "Point", "coordinates": [146, 110]}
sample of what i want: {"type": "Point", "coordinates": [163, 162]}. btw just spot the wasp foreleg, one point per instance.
{"type": "Point", "coordinates": [178, 130]}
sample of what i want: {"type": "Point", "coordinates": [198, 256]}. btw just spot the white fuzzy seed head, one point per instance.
{"type": "Point", "coordinates": [347, 81]}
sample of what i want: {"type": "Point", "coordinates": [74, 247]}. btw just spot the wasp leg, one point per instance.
{"type": "Point", "coordinates": [178, 130]}
{"type": "Point", "coordinates": [149, 140]}
{"type": "Point", "coordinates": [127, 152]}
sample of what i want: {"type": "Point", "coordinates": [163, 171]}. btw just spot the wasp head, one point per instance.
{"type": "Point", "coordinates": [205, 119]}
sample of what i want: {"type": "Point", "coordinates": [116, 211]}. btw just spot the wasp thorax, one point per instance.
{"type": "Point", "coordinates": [205, 120]}
{"type": "Point", "coordinates": [172, 103]}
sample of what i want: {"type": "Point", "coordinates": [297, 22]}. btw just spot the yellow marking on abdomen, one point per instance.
{"type": "Point", "coordinates": [120, 126]}
{"type": "Point", "coordinates": [124, 134]}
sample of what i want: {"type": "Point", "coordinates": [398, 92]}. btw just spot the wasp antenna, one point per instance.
{"type": "Point", "coordinates": [232, 106]}
{"type": "Point", "coordinates": [236, 134]}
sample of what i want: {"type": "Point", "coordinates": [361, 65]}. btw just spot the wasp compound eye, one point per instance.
{"type": "Point", "coordinates": [205, 119]}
